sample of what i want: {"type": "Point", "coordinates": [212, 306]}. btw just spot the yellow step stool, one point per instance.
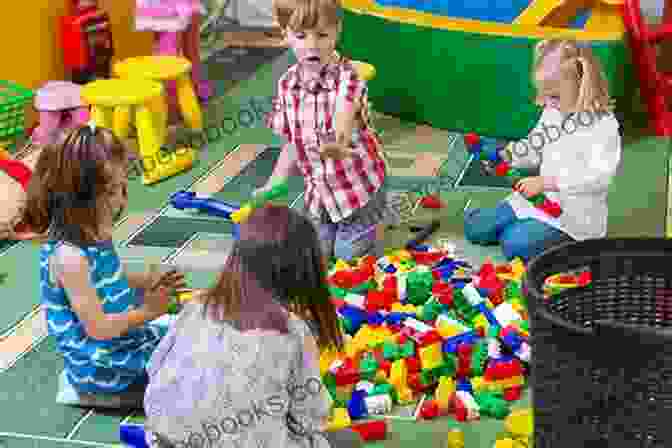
{"type": "Point", "coordinates": [112, 101]}
{"type": "Point", "coordinates": [162, 69]}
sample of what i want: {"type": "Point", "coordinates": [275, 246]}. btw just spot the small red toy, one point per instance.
{"type": "Point", "coordinates": [472, 139]}
{"type": "Point", "coordinates": [429, 410]}
{"type": "Point", "coordinates": [431, 201]}
{"type": "Point", "coordinates": [372, 430]}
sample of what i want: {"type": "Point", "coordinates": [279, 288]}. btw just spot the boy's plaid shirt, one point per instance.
{"type": "Point", "coordinates": [303, 113]}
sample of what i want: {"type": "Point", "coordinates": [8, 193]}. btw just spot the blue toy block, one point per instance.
{"type": "Point", "coordinates": [484, 292]}
{"type": "Point", "coordinates": [354, 315]}
{"type": "Point", "coordinates": [459, 283]}
{"type": "Point", "coordinates": [395, 318]}
{"type": "Point", "coordinates": [450, 345]}
{"type": "Point", "coordinates": [421, 248]}
{"type": "Point", "coordinates": [357, 405]}
{"type": "Point", "coordinates": [513, 341]}
{"type": "Point", "coordinates": [376, 318]}
{"type": "Point", "coordinates": [390, 269]}
{"type": "Point", "coordinates": [492, 320]}
{"type": "Point", "coordinates": [133, 435]}
{"type": "Point", "coordinates": [464, 386]}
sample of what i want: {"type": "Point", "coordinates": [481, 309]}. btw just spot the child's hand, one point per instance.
{"type": "Point", "coordinates": [335, 151]}
{"type": "Point", "coordinates": [530, 186]}
{"type": "Point", "coordinates": [158, 295]}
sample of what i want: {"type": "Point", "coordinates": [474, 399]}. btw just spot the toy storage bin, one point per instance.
{"type": "Point", "coordinates": [13, 101]}
{"type": "Point", "coordinates": [602, 354]}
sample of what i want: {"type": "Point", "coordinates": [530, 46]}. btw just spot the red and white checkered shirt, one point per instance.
{"type": "Point", "coordinates": [304, 114]}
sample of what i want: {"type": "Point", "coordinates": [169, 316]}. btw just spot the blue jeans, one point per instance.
{"type": "Point", "coordinates": [524, 238]}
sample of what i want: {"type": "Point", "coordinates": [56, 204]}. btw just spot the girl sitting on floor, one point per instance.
{"type": "Point", "coordinates": [238, 368]}
{"type": "Point", "coordinates": [576, 144]}
{"type": "Point", "coordinates": [77, 190]}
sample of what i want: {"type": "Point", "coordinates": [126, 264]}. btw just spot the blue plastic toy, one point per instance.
{"type": "Point", "coordinates": [184, 200]}
{"type": "Point", "coordinates": [132, 436]}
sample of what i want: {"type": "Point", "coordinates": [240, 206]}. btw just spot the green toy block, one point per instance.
{"type": "Point", "coordinates": [390, 351]}
{"type": "Point", "coordinates": [427, 378]}
{"type": "Point", "coordinates": [368, 366]}
{"type": "Point", "coordinates": [430, 310]}
{"type": "Point", "coordinates": [407, 349]}
{"type": "Point", "coordinates": [364, 287]}
{"type": "Point", "coordinates": [492, 404]}
{"type": "Point", "coordinates": [348, 326]}
{"type": "Point", "coordinates": [338, 292]}
{"type": "Point", "coordinates": [419, 287]}
{"type": "Point", "coordinates": [385, 389]}
{"type": "Point", "coordinates": [479, 358]}
{"type": "Point", "coordinates": [448, 367]}
{"type": "Point", "coordinates": [538, 199]}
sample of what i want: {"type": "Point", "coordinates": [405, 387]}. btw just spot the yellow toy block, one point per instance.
{"type": "Point", "coordinates": [520, 423]}
{"type": "Point", "coordinates": [242, 214]}
{"type": "Point", "coordinates": [399, 374]}
{"type": "Point", "coordinates": [341, 265]}
{"type": "Point", "coordinates": [447, 330]}
{"type": "Point", "coordinates": [381, 377]}
{"type": "Point", "coordinates": [4, 154]}
{"type": "Point", "coordinates": [477, 383]}
{"type": "Point", "coordinates": [480, 322]}
{"type": "Point", "coordinates": [444, 392]}
{"type": "Point", "coordinates": [340, 419]}
{"type": "Point", "coordinates": [455, 439]}
{"type": "Point", "coordinates": [505, 443]}
{"type": "Point", "coordinates": [405, 395]}
{"type": "Point", "coordinates": [431, 356]}
{"type": "Point", "coordinates": [504, 384]}
{"type": "Point", "coordinates": [327, 358]}
{"type": "Point", "coordinates": [399, 308]}
{"type": "Point", "coordinates": [518, 268]}
{"type": "Point", "coordinates": [403, 255]}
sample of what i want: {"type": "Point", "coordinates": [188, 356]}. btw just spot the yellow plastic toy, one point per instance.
{"type": "Point", "coordinates": [340, 419]}
{"type": "Point", "coordinates": [520, 423]}
{"type": "Point", "coordinates": [112, 101]}
{"type": "Point", "coordinates": [4, 154]}
{"type": "Point", "coordinates": [166, 68]}
{"type": "Point", "coordinates": [455, 439]}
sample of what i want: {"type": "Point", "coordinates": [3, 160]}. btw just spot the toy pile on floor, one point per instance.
{"type": "Point", "coordinates": [423, 325]}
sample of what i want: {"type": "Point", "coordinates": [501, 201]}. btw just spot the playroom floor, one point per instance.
{"type": "Point", "coordinates": [230, 166]}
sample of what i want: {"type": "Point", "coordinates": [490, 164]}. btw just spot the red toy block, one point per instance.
{"type": "Point", "coordinates": [513, 393]}
{"type": "Point", "coordinates": [460, 410]}
{"type": "Point", "coordinates": [444, 292]}
{"type": "Point", "coordinates": [413, 365]}
{"type": "Point", "coordinates": [426, 258]}
{"type": "Point", "coordinates": [429, 338]}
{"type": "Point", "coordinates": [429, 410]}
{"type": "Point", "coordinates": [338, 302]}
{"type": "Point", "coordinates": [385, 366]}
{"type": "Point", "coordinates": [487, 269]}
{"type": "Point", "coordinates": [402, 337]}
{"type": "Point", "coordinates": [342, 279]}
{"type": "Point", "coordinates": [471, 138]}
{"type": "Point", "coordinates": [372, 430]}
{"type": "Point", "coordinates": [431, 201]}
{"type": "Point", "coordinates": [551, 208]}
{"type": "Point", "coordinates": [502, 169]}
{"type": "Point", "coordinates": [347, 374]}
{"type": "Point", "coordinates": [504, 269]}
{"type": "Point", "coordinates": [585, 278]}
{"type": "Point", "coordinates": [377, 300]}
{"type": "Point", "coordinates": [497, 296]}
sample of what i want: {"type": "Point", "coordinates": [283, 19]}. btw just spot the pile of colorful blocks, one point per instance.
{"type": "Point", "coordinates": [424, 325]}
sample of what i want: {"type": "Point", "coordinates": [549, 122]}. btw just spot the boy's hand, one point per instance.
{"type": "Point", "coordinates": [530, 186]}
{"type": "Point", "coordinates": [335, 151]}
{"type": "Point", "coordinates": [157, 299]}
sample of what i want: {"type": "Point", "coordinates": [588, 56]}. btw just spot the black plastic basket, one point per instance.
{"type": "Point", "coordinates": [602, 354]}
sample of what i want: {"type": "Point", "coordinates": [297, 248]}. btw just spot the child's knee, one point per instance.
{"type": "Point", "coordinates": [515, 245]}
{"type": "Point", "coordinates": [475, 227]}
{"type": "Point", "coordinates": [349, 245]}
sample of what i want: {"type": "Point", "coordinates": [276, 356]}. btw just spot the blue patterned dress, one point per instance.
{"type": "Point", "coordinates": [91, 365]}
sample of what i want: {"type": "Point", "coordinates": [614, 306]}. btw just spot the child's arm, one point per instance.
{"type": "Point", "coordinates": [278, 121]}
{"type": "Point", "coordinates": [349, 101]}
{"type": "Point", "coordinates": [73, 271]}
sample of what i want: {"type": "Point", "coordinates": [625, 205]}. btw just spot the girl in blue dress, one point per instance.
{"type": "Point", "coordinates": [93, 307]}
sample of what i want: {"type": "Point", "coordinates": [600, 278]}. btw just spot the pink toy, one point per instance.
{"type": "Point", "coordinates": [177, 27]}
{"type": "Point", "coordinates": [60, 107]}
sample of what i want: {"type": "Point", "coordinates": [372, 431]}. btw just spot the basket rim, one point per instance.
{"type": "Point", "coordinates": [582, 253]}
